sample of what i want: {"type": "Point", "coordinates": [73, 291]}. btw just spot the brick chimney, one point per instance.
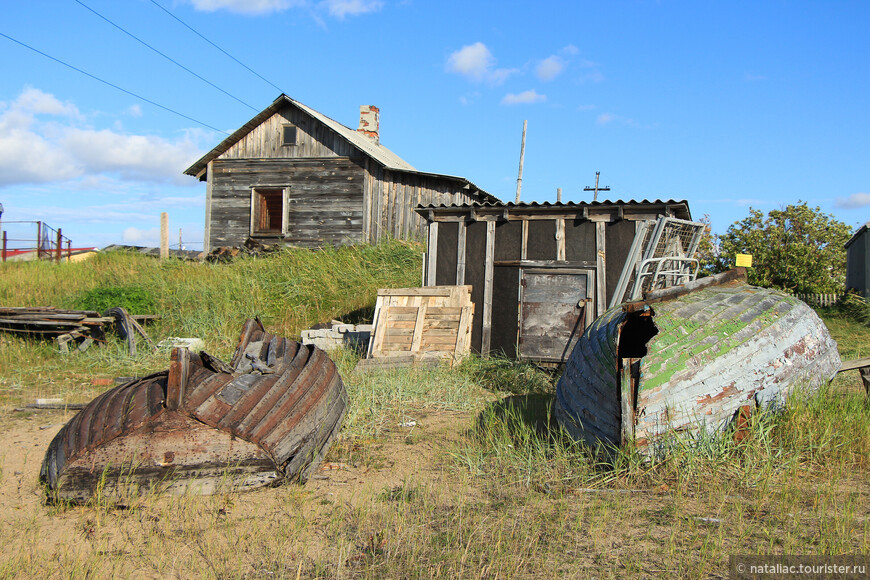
{"type": "Point", "coordinates": [369, 122]}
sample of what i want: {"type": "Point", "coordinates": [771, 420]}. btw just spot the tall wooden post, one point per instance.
{"type": "Point", "coordinates": [59, 245]}
{"type": "Point", "coordinates": [558, 195]}
{"type": "Point", "coordinates": [164, 235]}
{"type": "Point", "coordinates": [38, 239]}
{"type": "Point", "coordinates": [4, 245]}
{"type": "Point", "coordinates": [522, 157]}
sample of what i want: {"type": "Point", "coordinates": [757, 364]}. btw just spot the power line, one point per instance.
{"type": "Point", "coordinates": [255, 73]}
{"type": "Point", "coordinates": [170, 59]}
{"type": "Point", "coordinates": [105, 82]}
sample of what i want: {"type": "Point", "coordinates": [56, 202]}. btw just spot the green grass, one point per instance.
{"type": "Point", "coordinates": [454, 473]}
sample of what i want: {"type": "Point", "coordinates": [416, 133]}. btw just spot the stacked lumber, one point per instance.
{"type": "Point", "coordinates": [80, 327]}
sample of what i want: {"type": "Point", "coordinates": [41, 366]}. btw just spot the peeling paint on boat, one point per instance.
{"type": "Point", "coordinates": [718, 347]}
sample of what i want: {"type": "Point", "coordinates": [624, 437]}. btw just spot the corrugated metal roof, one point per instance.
{"type": "Point", "coordinates": [547, 204]}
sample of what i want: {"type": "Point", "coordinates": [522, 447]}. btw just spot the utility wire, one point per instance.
{"type": "Point", "coordinates": [170, 59]}
{"type": "Point", "coordinates": [249, 69]}
{"type": "Point", "coordinates": [96, 78]}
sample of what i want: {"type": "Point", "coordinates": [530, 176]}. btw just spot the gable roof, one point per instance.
{"type": "Point", "coordinates": [365, 145]}
{"type": "Point", "coordinates": [857, 234]}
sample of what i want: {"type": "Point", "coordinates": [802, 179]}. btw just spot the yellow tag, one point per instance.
{"type": "Point", "coordinates": [744, 260]}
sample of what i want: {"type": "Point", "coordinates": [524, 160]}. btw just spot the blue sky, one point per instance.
{"type": "Point", "coordinates": [725, 104]}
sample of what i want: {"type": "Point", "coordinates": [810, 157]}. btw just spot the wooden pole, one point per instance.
{"type": "Point", "coordinates": [522, 157]}
{"type": "Point", "coordinates": [164, 235]}
{"type": "Point", "coordinates": [38, 239]}
{"type": "Point", "coordinates": [4, 245]}
{"type": "Point", "coordinates": [59, 247]}
{"type": "Point", "coordinates": [558, 195]}
{"type": "Point", "coordinates": [179, 240]}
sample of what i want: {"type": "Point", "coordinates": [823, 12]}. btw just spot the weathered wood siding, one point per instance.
{"type": "Point", "coordinates": [391, 196]}
{"type": "Point", "coordinates": [857, 270]}
{"type": "Point", "coordinates": [337, 194]}
{"type": "Point", "coordinates": [325, 204]}
{"type": "Point", "coordinates": [313, 139]}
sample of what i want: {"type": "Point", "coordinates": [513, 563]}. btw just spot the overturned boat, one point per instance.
{"type": "Point", "coordinates": [689, 358]}
{"type": "Point", "coordinates": [204, 426]}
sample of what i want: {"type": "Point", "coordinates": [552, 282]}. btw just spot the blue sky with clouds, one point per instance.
{"type": "Point", "coordinates": [726, 104]}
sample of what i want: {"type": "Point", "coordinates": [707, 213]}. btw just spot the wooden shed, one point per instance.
{"type": "Point", "coordinates": [539, 273]}
{"type": "Point", "coordinates": [858, 262]}
{"type": "Point", "coordinates": [292, 174]}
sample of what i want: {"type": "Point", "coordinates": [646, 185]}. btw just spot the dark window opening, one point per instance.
{"type": "Point", "coordinates": [637, 331]}
{"type": "Point", "coordinates": [268, 211]}
{"type": "Point", "coordinates": [289, 135]}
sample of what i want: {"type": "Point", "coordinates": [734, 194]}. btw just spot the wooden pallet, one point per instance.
{"type": "Point", "coordinates": [417, 324]}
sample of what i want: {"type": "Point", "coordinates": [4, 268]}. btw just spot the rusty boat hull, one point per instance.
{"type": "Point", "coordinates": [203, 426]}
{"type": "Point", "coordinates": [691, 358]}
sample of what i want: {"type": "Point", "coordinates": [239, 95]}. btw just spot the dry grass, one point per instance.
{"type": "Point", "coordinates": [448, 474]}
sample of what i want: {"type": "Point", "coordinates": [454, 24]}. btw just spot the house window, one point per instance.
{"type": "Point", "coordinates": [268, 211]}
{"type": "Point", "coordinates": [288, 135]}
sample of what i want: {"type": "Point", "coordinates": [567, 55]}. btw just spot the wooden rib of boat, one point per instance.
{"type": "Point", "coordinates": [203, 426]}
{"type": "Point", "coordinates": [690, 358]}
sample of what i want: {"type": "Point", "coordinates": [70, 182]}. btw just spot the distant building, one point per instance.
{"type": "Point", "coordinates": [858, 262]}
{"type": "Point", "coordinates": [293, 175]}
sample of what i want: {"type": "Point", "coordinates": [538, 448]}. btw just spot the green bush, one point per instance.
{"type": "Point", "coordinates": [135, 299]}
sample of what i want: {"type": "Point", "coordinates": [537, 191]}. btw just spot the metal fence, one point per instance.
{"type": "Point", "coordinates": [26, 240]}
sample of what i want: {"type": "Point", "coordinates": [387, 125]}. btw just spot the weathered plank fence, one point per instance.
{"type": "Point", "coordinates": [819, 299]}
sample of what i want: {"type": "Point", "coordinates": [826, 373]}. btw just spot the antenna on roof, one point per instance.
{"type": "Point", "coordinates": [522, 156]}
{"type": "Point", "coordinates": [596, 189]}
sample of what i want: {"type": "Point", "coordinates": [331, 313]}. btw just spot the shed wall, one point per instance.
{"type": "Point", "coordinates": [857, 271]}
{"type": "Point", "coordinates": [325, 199]}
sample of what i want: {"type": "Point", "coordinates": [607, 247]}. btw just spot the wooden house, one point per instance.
{"type": "Point", "coordinates": [540, 273]}
{"type": "Point", "coordinates": [292, 174]}
{"type": "Point", "coordinates": [858, 261]}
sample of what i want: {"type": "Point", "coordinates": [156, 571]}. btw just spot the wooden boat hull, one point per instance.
{"type": "Point", "coordinates": [203, 426]}
{"type": "Point", "coordinates": [691, 360]}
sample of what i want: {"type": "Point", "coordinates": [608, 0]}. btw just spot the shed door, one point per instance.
{"type": "Point", "coordinates": [553, 310]}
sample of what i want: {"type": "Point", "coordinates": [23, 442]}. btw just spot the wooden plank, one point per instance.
{"type": "Point", "coordinates": [600, 275]}
{"type": "Point", "coordinates": [560, 240]}
{"type": "Point", "coordinates": [426, 291]}
{"type": "Point", "coordinates": [418, 327]}
{"type": "Point", "coordinates": [432, 254]}
{"type": "Point", "coordinates": [524, 248]}
{"type": "Point", "coordinates": [460, 254]}
{"type": "Point", "coordinates": [582, 265]}
{"type": "Point", "coordinates": [854, 364]}
{"type": "Point", "coordinates": [489, 262]}
{"type": "Point", "coordinates": [626, 400]}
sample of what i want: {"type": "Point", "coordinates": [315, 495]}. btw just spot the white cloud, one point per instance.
{"type": "Point", "coordinates": [854, 201]}
{"type": "Point", "coordinates": [134, 111]}
{"type": "Point", "coordinates": [605, 118]}
{"type": "Point", "coordinates": [43, 140]}
{"type": "Point", "coordinates": [550, 68]}
{"type": "Point", "coordinates": [342, 8]}
{"type": "Point", "coordinates": [136, 237]}
{"type": "Point", "coordinates": [524, 98]}
{"type": "Point", "coordinates": [135, 157]}
{"type": "Point", "coordinates": [472, 61]}
{"type": "Point", "coordinates": [476, 63]}
{"type": "Point", "coordinates": [251, 7]}
{"type": "Point", "coordinates": [553, 66]}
